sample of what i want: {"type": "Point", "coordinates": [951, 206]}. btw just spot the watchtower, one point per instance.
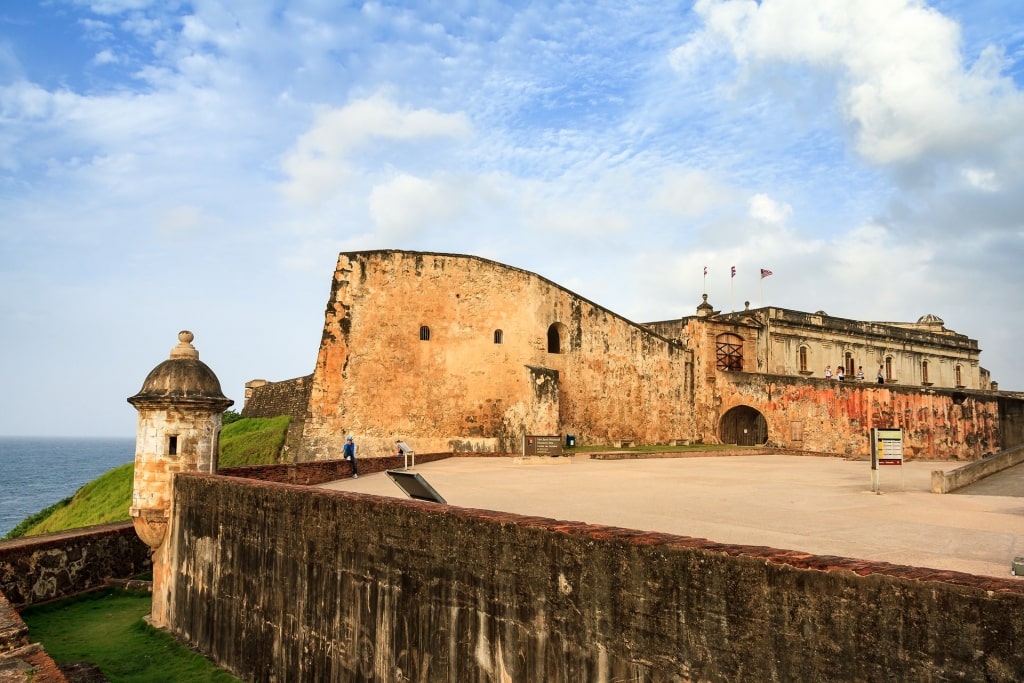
{"type": "Point", "coordinates": [180, 407]}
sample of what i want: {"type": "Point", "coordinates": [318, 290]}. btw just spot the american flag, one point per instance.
{"type": "Point", "coordinates": [705, 270]}
{"type": "Point", "coordinates": [733, 271]}
{"type": "Point", "coordinates": [765, 273]}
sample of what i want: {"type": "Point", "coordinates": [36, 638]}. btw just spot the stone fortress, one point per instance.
{"type": "Point", "coordinates": [276, 579]}
{"type": "Point", "coordinates": [458, 353]}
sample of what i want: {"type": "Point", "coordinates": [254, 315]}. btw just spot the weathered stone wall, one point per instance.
{"type": "Point", "coordinates": [461, 391]}
{"type": "Point", "coordinates": [287, 397]}
{"type": "Point", "coordinates": [321, 471]}
{"type": "Point", "coordinates": [836, 417]}
{"type": "Point", "coordinates": [281, 583]}
{"type": "Point", "coordinates": [1011, 414]}
{"type": "Point", "coordinates": [21, 660]}
{"type": "Point", "coordinates": [42, 568]}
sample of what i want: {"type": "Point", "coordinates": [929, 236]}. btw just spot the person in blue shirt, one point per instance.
{"type": "Point", "coordinates": [349, 453]}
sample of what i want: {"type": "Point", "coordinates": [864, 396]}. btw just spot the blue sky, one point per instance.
{"type": "Point", "coordinates": [199, 165]}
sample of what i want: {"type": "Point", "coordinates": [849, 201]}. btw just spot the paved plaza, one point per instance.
{"type": "Point", "coordinates": [818, 505]}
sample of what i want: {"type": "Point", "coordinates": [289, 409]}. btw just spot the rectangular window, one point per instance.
{"type": "Point", "coordinates": [172, 445]}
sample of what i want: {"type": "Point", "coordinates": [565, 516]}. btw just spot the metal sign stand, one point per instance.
{"type": "Point", "coordinates": [406, 450]}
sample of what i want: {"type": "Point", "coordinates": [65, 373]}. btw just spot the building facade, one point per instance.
{"type": "Point", "coordinates": [455, 353]}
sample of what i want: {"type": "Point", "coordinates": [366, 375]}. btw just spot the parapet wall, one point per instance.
{"type": "Point", "coordinates": [288, 397]}
{"type": "Point", "coordinates": [321, 471]}
{"type": "Point", "coordinates": [52, 566]}
{"type": "Point", "coordinates": [280, 582]}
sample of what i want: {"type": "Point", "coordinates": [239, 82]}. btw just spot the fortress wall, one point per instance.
{"type": "Point", "coordinates": [1011, 411]}
{"type": "Point", "coordinates": [280, 583]}
{"type": "Point", "coordinates": [21, 660]}
{"type": "Point", "coordinates": [52, 566]}
{"type": "Point", "coordinates": [321, 471]}
{"type": "Point", "coordinates": [287, 397]}
{"type": "Point", "coordinates": [462, 392]}
{"type": "Point", "coordinates": [836, 417]}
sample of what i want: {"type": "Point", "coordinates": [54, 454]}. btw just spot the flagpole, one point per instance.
{"type": "Point", "coordinates": [732, 289]}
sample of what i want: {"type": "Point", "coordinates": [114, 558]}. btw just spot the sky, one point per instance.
{"type": "Point", "coordinates": [199, 165]}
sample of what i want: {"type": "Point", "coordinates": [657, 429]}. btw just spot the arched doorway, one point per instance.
{"type": "Point", "coordinates": [743, 426]}
{"type": "Point", "coordinates": [556, 338]}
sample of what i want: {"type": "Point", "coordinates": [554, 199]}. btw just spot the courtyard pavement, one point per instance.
{"type": "Point", "coordinates": [818, 505]}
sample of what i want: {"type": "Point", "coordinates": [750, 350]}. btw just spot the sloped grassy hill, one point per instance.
{"type": "Point", "coordinates": [250, 441]}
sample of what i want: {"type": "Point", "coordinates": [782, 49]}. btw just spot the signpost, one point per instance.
{"type": "Point", "coordinates": [886, 449]}
{"type": "Point", "coordinates": [542, 445]}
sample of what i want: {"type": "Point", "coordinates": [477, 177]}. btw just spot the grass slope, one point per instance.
{"type": "Point", "coordinates": [250, 441]}
{"type": "Point", "coordinates": [106, 629]}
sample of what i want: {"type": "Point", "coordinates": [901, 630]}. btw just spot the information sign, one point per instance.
{"type": "Point", "coordinates": [889, 446]}
{"type": "Point", "coordinates": [542, 445]}
{"type": "Point", "coordinates": [886, 449]}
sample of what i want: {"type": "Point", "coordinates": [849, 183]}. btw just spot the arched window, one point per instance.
{"type": "Point", "coordinates": [499, 337]}
{"type": "Point", "coordinates": [958, 377]}
{"type": "Point", "coordinates": [729, 352]}
{"type": "Point", "coordinates": [424, 333]}
{"type": "Point", "coordinates": [554, 339]}
{"type": "Point", "coordinates": [848, 359]}
{"type": "Point", "coordinates": [802, 354]}
{"type": "Point", "coordinates": [924, 372]}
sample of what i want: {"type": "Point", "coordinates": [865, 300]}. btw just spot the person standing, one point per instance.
{"type": "Point", "coordinates": [881, 377]}
{"type": "Point", "coordinates": [840, 374]}
{"type": "Point", "coordinates": [860, 373]}
{"type": "Point", "coordinates": [828, 372]}
{"type": "Point", "coordinates": [349, 453]}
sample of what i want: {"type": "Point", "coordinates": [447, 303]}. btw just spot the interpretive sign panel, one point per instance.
{"type": "Point", "coordinates": [888, 446]}
{"type": "Point", "coordinates": [542, 445]}
{"type": "Point", "coordinates": [886, 449]}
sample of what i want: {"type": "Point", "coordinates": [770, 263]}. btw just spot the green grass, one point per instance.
{"type": "Point", "coordinates": [106, 629]}
{"type": "Point", "coordinates": [253, 441]}
{"type": "Point", "coordinates": [250, 441]}
{"type": "Point", "coordinates": [103, 500]}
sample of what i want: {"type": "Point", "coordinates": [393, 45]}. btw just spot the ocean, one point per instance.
{"type": "Point", "coordinates": [36, 472]}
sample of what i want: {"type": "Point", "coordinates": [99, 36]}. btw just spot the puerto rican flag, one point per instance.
{"type": "Point", "coordinates": [733, 271]}
{"type": "Point", "coordinates": [765, 273]}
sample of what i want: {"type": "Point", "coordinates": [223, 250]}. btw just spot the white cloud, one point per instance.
{"type": "Point", "coordinates": [404, 204]}
{"type": "Point", "coordinates": [690, 193]}
{"type": "Point", "coordinates": [105, 57]}
{"type": "Point", "coordinates": [981, 179]}
{"type": "Point", "coordinates": [318, 164]}
{"type": "Point", "coordinates": [904, 90]}
{"type": "Point", "coordinates": [179, 221]}
{"type": "Point", "coordinates": [765, 209]}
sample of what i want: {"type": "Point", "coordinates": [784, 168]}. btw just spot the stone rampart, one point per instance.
{"type": "Point", "coordinates": [836, 417]}
{"type": "Point", "coordinates": [279, 582]}
{"type": "Point", "coordinates": [321, 471]}
{"type": "Point", "coordinates": [288, 397]}
{"type": "Point", "coordinates": [459, 353]}
{"type": "Point", "coordinates": [52, 566]}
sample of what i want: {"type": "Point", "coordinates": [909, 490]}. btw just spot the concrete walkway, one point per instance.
{"type": "Point", "coordinates": [814, 504]}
